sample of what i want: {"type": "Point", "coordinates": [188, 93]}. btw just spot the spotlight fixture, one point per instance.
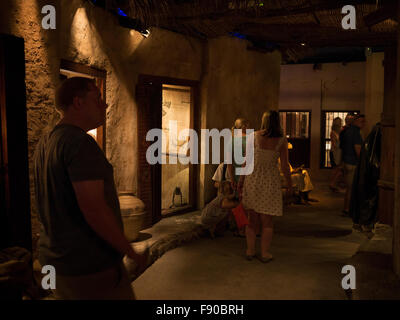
{"type": "Point", "coordinates": [302, 44]}
{"type": "Point", "coordinates": [145, 33]}
{"type": "Point", "coordinates": [123, 18]}
{"type": "Point", "coordinates": [134, 24]}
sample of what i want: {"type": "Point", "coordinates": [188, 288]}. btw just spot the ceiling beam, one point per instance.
{"type": "Point", "coordinates": [387, 12]}
{"type": "Point", "coordinates": [264, 12]}
{"type": "Point", "coordinates": [313, 36]}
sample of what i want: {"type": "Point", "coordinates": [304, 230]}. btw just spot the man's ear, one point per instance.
{"type": "Point", "coordinates": [77, 103]}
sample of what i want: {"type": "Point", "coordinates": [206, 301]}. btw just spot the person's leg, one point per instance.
{"type": "Point", "coordinates": [266, 235]}
{"type": "Point", "coordinates": [332, 184]}
{"type": "Point", "coordinates": [337, 172]}
{"type": "Point", "coordinates": [349, 175]}
{"type": "Point", "coordinates": [304, 195]}
{"type": "Point", "coordinates": [251, 233]}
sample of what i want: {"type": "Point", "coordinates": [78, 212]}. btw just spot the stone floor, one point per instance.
{"type": "Point", "coordinates": [311, 245]}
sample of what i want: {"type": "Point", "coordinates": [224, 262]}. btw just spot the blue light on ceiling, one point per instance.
{"type": "Point", "coordinates": [121, 13]}
{"type": "Point", "coordinates": [238, 35]}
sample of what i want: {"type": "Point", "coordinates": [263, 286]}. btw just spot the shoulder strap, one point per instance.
{"type": "Point", "coordinates": [223, 178]}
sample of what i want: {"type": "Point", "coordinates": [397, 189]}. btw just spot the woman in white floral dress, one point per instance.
{"type": "Point", "coordinates": [261, 190]}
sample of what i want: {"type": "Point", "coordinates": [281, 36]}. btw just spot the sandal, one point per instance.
{"type": "Point", "coordinates": [250, 257]}
{"type": "Point", "coordinates": [237, 234]}
{"type": "Point", "coordinates": [265, 259]}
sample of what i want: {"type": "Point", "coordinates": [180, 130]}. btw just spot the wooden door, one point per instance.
{"type": "Point", "coordinates": [15, 219]}
{"type": "Point", "coordinates": [149, 102]}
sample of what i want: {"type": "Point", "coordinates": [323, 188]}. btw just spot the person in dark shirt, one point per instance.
{"type": "Point", "coordinates": [350, 144]}
{"type": "Point", "coordinates": [81, 227]}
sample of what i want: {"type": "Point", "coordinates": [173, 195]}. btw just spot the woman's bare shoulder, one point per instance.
{"type": "Point", "coordinates": [260, 132]}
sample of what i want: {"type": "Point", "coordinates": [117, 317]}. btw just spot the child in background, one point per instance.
{"type": "Point", "coordinates": [215, 215]}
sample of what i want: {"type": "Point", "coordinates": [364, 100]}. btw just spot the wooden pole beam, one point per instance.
{"type": "Point", "coordinates": [396, 215]}
{"type": "Point", "coordinates": [382, 14]}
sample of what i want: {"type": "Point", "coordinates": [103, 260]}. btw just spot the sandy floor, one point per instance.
{"type": "Point", "coordinates": [311, 245]}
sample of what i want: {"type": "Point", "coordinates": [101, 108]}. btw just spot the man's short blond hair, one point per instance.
{"type": "Point", "coordinates": [71, 88]}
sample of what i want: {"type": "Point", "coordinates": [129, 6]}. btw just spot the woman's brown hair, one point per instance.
{"type": "Point", "coordinates": [271, 124]}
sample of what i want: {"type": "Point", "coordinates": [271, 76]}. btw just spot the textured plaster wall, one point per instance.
{"type": "Point", "coordinates": [92, 36]}
{"type": "Point", "coordinates": [334, 87]}
{"type": "Point", "coordinates": [237, 83]}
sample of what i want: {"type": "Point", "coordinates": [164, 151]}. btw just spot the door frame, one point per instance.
{"type": "Point", "coordinates": [194, 124]}
{"type": "Point", "coordinates": [322, 134]}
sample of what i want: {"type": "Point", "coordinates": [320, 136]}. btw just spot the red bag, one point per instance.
{"type": "Point", "coordinates": [240, 216]}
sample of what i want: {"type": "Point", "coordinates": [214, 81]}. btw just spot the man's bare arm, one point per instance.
{"type": "Point", "coordinates": [285, 166]}
{"type": "Point", "coordinates": [100, 217]}
{"type": "Point", "coordinates": [229, 204]}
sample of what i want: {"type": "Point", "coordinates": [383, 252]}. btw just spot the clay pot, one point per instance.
{"type": "Point", "coordinates": [133, 213]}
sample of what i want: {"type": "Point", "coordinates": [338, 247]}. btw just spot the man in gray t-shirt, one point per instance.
{"type": "Point", "coordinates": [81, 227]}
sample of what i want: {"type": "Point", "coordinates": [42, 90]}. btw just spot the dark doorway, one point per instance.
{"type": "Point", "coordinates": [15, 215]}
{"type": "Point", "coordinates": [296, 125]}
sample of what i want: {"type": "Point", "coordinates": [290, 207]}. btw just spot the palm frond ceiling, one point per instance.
{"type": "Point", "coordinates": [293, 26]}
